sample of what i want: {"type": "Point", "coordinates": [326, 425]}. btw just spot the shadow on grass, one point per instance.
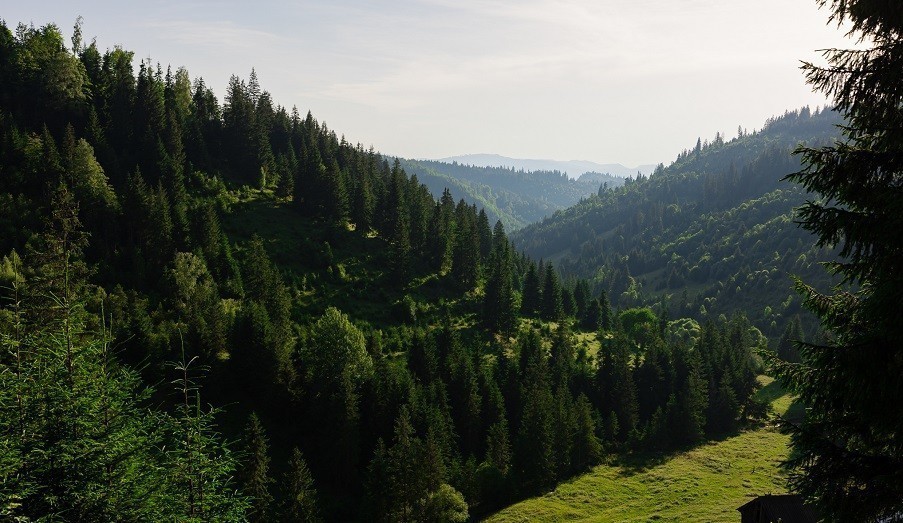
{"type": "Point", "coordinates": [638, 462]}
{"type": "Point", "coordinates": [795, 413]}
{"type": "Point", "coordinates": [771, 392]}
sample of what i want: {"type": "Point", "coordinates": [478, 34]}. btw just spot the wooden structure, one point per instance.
{"type": "Point", "coordinates": [787, 508]}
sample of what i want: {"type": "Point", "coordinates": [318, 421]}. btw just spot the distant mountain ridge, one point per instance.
{"type": "Point", "coordinates": [573, 168]}
{"type": "Point", "coordinates": [516, 197]}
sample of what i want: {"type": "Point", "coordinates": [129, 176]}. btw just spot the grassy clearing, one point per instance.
{"type": "Point", "coordinates": [705, 484]}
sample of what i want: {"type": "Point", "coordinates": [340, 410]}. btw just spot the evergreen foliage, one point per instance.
{"type": "Point", "coordinates": [254, 473]}
{"type": "Point", "coordinates": [265, 254]}
{"type": "Point", "coordinates": [717, 223]}
{"type": "Point", "coordinates": [301, 496]}
{"type": "Point", "coordinates": [847, 451]}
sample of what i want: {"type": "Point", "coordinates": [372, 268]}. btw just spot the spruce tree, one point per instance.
{"type": "Point", "coordinates": [792, 335]}
{"type": "Point", "coordinates": [364, 203]}
{"type": "Point", "coordinates": [606, 319]}
{"type": "Point", "coordinates": [466, 251]}
{"type": "Point", "coordinates": [254, 473]}
{"type": "Point", "coordinates": [530, 302]}
{"type": "Point", "coordinates": [592, 318]}
{"type": "Point", "coordinates": [200, 466]}
{"type": "Point", "coordinates": [76, 442]}
{"type": "Point", "coordinates": [847, 452]}
{"type": "Point", "coordinates": [535, 445]}
{"type": "Point", "coordinates": [499, 313]}
{"type": "Point", "coordinates": [486, 237]}
{"type": "Point", "coordinates": [335, 194]}
{"type": "Point", "coordinates": [686, 408]}
{"type": "Point", "coordinates": [552, 308]}
{"type": "Point", "coordinates": [300, 495]}
{"type": "Point", "coordinates": [616, 389]}
{"type": "Point", "coordinates": [586, 447]}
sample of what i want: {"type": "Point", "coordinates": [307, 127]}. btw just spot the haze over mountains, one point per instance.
{"type": "Point", "coordinates": [573, 168]}
{"type": "Point", "coordinates": [517, 197]}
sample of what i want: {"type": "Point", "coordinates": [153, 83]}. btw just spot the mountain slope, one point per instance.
{"type": "Point", "coordinates": [516, 197]}
{"type": "Point", "coordinates": [703, 485]}
{"type": "Point", "coordinates": [711, 233]}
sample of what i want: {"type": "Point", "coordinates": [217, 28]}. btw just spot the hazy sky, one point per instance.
{"type": "Point", "coordinates": [627, 81]}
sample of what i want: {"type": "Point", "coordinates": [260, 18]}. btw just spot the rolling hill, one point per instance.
{"type": "Point", "coordinates": [516, 197]}
{"type": "Point", "coordinates": [709, 234]}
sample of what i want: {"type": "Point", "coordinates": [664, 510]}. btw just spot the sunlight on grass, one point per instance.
{"type": "Point", "coordinates": [705, 484]}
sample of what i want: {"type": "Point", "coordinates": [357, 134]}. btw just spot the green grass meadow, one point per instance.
{"type": "Point", "coordinates": [705, 484]}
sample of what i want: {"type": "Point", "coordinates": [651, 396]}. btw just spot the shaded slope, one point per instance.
{"type": "Point", "coordinates": [709, 234]}
{"type": "Point", "coordinates": [516, 197]}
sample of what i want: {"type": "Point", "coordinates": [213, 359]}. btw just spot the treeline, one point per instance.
{"type": "Point", "coordinates": [718, 220]}
{"type": "Point", "coordinates": [436, 420]}
{"type": "Point", "coordinates": [118, 197]}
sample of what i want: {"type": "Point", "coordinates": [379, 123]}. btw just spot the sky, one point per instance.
{"type": "Point", "coordinates": [611, 81]}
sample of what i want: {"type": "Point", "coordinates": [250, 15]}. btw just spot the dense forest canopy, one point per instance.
{"type": "Point", "coordinates": [223, 311]}
{"type": "Point", "coordinates": [712, 233]}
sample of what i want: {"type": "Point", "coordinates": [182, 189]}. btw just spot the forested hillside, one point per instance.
{"type": "Point", "coordinates": [712, 233]}
{"type": "Point", "coordinates": [516, 197]}
{"type": "Point", "coordinates": [224, 311]}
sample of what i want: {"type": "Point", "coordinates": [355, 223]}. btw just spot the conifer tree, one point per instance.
{"type": "Point", "coordinates": [551, 307]}
{"type": "Point", "coordinates": [254, 473]}
{"type": "Point", "coordinates": [847, 452]}
{"type": "Point", "coordinates": [466, 250]}
{"type": "Point", "coordinates": [530, 303]}
{"type": "Point", "coordinates": [617, 391]}
{"type": "Point", "coordinates": [199, 465]}
{"type": "Point", "coordinates": [723, 409]}
{"type": "Point", "coordinates": [568, 306]}
{"type": "Point", "coordinates": [485, 234]}
{"type": "Point", "coordinates": [269, 315]}
{"type": "Point", "coordinates": [420, 203]}
{"type": "Point", "coordinates": [565, 430]}
{"type": "Point", "coordinates": [592, 319]}
{"type": "Point", "coordinates": [300, 495]}
{"type": "Point", "coordinates": [77, 445]}
{"type": "Point", "coordinates": [562, 358]}
{"type": "Point", "coordinates": [498, 448]}
{"type": "Point", "coordinates": [335, 194]}
{"type": "Point", "coordinates": [423, 362]}
{"type": "Point", "coordinates": [364, 202]}
{"type": "Point", "coordinates": [686, 407]}
{"type": "Point", "coordinates": [653, 377]}
{"type": "Point", "coordinates": [499, 313]}
{"type": "Point", "coordinates": [793, 334]}
{"type": "Point", "coordinates": [464, 399]}
{"type": "Point", "coordinates": [586, 447]}
{"type": "Point", "coordinates": [606, 318]}
{"type": "Point", "coordinates": [535, 448]}
{"type": "Point", "coordinates": [493, 474]}
{"type": "Point", "coordinates": [402, 478]}
{"type": "Point", "coordinates": [288, 166]}
{"type": "Point", "coordinates": [582, 297]}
